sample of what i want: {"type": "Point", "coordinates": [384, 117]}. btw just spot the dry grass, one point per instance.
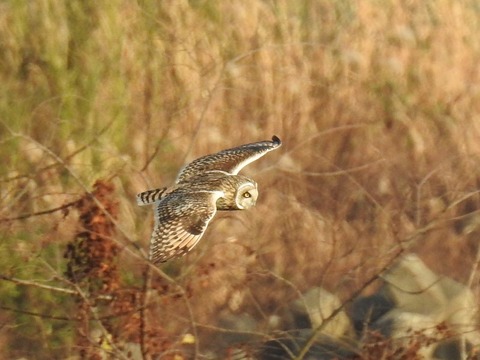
{"type": "Point", "coordinates": [377, 104]}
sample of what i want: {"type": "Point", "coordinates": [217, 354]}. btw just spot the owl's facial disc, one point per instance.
{"type": "Point", "coordinates": [247, 195]}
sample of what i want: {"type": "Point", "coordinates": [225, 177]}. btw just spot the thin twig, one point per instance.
{"type": "Point", "coordinates": [333, 173]}
{"type": "Point", "coordinates": [63, 318]}
{"type": "Point", "coordinates": [38, 213]}
{"type": "Point", "coordinates": [36, 314]}
{"type": "Point", "coordinates": [48, 287]}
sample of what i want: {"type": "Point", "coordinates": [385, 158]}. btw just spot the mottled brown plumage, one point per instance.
{"type": "Point", "coordinates": [208, 184]}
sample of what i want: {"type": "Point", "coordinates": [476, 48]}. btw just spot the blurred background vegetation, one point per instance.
{"type": "Point", "coordinates": [377, 104]}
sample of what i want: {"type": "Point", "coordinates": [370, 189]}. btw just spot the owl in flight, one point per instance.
{"type": "Point", "coordinates": [210, 183]}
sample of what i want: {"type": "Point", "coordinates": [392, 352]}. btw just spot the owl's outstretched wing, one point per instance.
{"type": "Point", "coordinates": [230, 160]}
{"type": "Point", "coordinates": [180, 221]}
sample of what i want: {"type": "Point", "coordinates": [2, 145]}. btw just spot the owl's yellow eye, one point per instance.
{"type": "Point", "coordinates": [247, 195]}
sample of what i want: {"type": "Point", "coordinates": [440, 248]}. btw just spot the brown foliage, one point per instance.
{"type": "Point", "coordinates": [92, 254]}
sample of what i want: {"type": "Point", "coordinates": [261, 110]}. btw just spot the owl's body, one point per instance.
{"type": "Point", "coordinates": [208, 184]}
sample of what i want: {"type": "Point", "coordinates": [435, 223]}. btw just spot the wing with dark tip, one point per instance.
{"type": "Point", "coordinates": [230, 160]}
{"type": "Point", "coordinates": [180, 222]}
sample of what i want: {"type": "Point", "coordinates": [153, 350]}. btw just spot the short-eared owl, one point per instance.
{"type": "Point", "coordinates": [210, 183]}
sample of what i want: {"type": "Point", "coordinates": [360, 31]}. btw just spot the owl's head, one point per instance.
{"type": "Point", "coordinates": [246, 195]}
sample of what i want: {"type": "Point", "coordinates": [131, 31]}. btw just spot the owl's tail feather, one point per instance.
{"type": "Point", "coordinates": [150, 196]}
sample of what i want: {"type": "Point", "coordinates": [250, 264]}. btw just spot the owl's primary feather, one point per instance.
{"type": "Point", "coordinates": [230, 160]}
{"type": "Point", "coordinates": [208, 184]}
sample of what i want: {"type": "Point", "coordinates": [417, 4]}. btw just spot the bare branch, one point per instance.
{"type": "Point", "coordinates": [36, 314]}
{"type": "Point", "coordinates": [44, 212]}
{"type": "Point", "coordinates": [48, 287]}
